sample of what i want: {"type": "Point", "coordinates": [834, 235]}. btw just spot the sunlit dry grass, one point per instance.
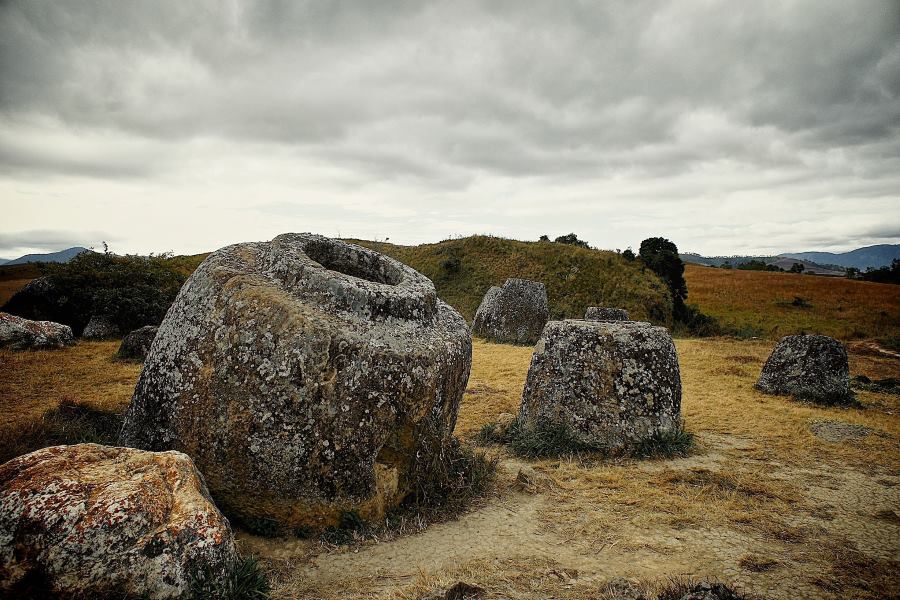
{"type": "Point", "coordinates": [762, 303]}
{"type": "Point", "coordinates": [740, 509]}
{"type": "Point", "coordinates": [88, 373]}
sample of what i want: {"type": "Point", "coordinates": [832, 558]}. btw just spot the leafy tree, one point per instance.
{"type": "Point", "coordinates": [544, 238]}
{"type": "Point", "coordinates": [572, 240]}
{"type": "Point", "coordinates": [852, 272]}
{"type": "Point", "coordinates": [758, 265]}
{"type": "Point", "coordinates": [661, 256]}
{"type": "Point", "coordinates": [628, 255]}
{"type": "Point", "coordinates": [889, 274]}
{"type": "Point", "coordinates": [797, 268]}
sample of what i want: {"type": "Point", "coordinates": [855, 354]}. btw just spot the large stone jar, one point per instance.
{"type": "Point", "coordinates": [614, 383]}
{"type": "Point", "coordinates": [809, 367]}
{"type": "Point", "coordinates": [515, 313]}
{"type": "Point", "coordinates": [303, 376]}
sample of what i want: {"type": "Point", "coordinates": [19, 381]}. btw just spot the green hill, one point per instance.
{"type": "Point", "coordinates": [463, 270]}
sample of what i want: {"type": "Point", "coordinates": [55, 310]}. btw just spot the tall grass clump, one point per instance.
{"type": "Point", "coordinates": [243, 580]}
{"type": "Point", "coordinates": [551, 440]}
{"type": "Point", "coordinates": [69, 423]}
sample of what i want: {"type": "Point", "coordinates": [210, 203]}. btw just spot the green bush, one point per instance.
{"type": "Point", "coordinates": [133, 290]}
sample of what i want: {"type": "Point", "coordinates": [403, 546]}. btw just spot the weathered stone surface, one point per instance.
{"type": "Point", "coordinates": [87, 521]}
{"type": "Point", "coordinates": [811, 367]}
{"type": "Point", "coordinates": [17, 333]}
{"type": "Point", "coordinates": [515, 313]}
{"type": "Point", "coordinates": [601, 313]}
{"type": "Point", "coordinates": [614, 382]}
{"type": "Point", "coordinates": [302, 375]}
{"type": "Point", "coordinates": [101, 327]}
{"type": "Point", "coordinates": [136, 344]}
{"type": "Point", "coordinates": [710, 591]}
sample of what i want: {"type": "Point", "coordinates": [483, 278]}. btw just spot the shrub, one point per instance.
{"type": "Point", "coordinates": [133, 290]}
{"type": "Point", "coordinates": [445, 480]}
{"type": "Point", "coordinates": [691, 321]}
{"type": "Point", "coordinates": [572, 240]}
{"type": "Point", "coordinates": [661, 256]}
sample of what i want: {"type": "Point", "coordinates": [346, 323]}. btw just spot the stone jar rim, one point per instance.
{"type": "Point", "coordinates": [355, 279]}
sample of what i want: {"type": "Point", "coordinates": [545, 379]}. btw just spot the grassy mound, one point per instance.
{"type": "Point", "coordinates": [464, 269]}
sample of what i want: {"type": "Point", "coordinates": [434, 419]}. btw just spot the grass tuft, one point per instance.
{"type": "Point", "coordinates": [244, 580]}
{"type": "Point", "coordinates": [666, 444]}
{"type": "Point", "coordinates": [68, 423]}
{"type": "Point", "coordinates": [552, 440]}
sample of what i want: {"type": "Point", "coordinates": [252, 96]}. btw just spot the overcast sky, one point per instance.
{"type": "Point", "coordinates": [728, 127]}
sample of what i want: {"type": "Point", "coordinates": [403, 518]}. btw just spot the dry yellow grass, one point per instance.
{"type": "Point", "coordinates": [33, 382]}
{"type": "Point", "coordinates": [763, 503]}
{"type": "Point", "coordinates": [761, 302]}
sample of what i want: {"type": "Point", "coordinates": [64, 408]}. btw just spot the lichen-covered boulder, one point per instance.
{"type": "Point", "coordinates": [136, 344]}
{"type": "Point", "coordinates": [89, 521]}
{"type": "Point", "coordinates": [612, 382]}
{"type": "Point", "coordinates": [303, 376]}
{"type": "Point", "coordinates": [101, 327]}
{"type": "Point", "coordinates": [515, 313]}
{"type": "Point", "coordinates": [17, 333]}
{"type": "Point", "coordinates": [602, 313]}
{"type": "Point", "coordinates": [811, 367]}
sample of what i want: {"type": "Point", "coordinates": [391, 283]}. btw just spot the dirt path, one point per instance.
{"type": "Point", "coordinates": [509, 539]}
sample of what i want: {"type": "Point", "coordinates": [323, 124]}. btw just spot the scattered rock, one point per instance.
{"type": "Point", "coordinates": [613, 382]}
{"type": "Point", "coordinates": [515, 313]}
{"type": "Point", "coordinates": [89, 520]}
{"type": "Point", "coordinates": [710, 591]}
{"type": "Point", "coordinates": [460, 591]}
{"type": "Point", "coordinates": [838, 431]}
{"type": "Point", "coordinates": [600, 313]}
{"type": "Point", "coordinates": [17, 333]}
{"type": "Point", "coordinates": [809, 367]}
{"type": "Point", "coordinates": [101, 327]}
{"type": "Point", "coordinates": [888, 385]}
{"type": "Point", "coordinates": [532, 481]}
{"type": "Point", "coordinates": [136, 344]}
{"type": "Point", "coordinates": [623, 589]}
{"type": "Point", "coordinates": [303, 376]}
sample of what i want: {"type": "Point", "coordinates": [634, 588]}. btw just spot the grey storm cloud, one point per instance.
{"type": "Point", "coordinates": [798, 98]}
{"type": "Point", "coordinates": [50, 240]}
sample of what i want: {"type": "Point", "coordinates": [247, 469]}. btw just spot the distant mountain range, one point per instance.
{"type": "Point", "coordinates": [824, 263]}
{"type": "Point", "coordinates": [58, 257]}
{"type": "Point", "coordinates": [862, 258]}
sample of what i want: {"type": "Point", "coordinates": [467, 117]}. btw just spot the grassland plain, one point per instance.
{"type": "Point", "coordinates": [763, 503]}
{"type": "Point", "coordinates": [771, 305]}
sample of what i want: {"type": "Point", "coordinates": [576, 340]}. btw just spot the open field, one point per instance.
{"type": "Point", "coordinates": [763, 503]}
{"type": "Point", "coordinates": [760, 303]}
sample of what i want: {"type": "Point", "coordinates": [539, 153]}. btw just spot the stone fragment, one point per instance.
{"type": "Point", "coordinates": [136, 344]}
{"type": "Point", "coordinates": [515, 313]}
{"type": "Point", "coordinates": [89, 521]}
{"type": "Point", "coordinates": [17, 333]}
{"type": "Point", "coordinates": [808, 367]}
{"type": "Point", "coordinates": [101, 327]}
